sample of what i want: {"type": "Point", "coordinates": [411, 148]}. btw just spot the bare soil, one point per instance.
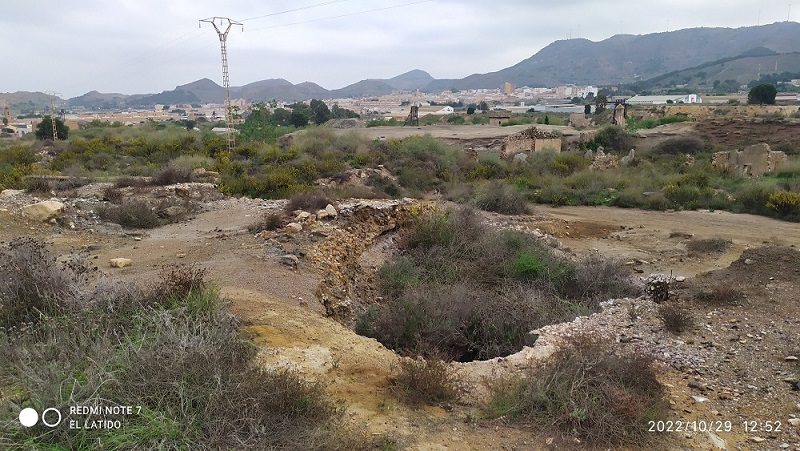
{"type": "Point", "coordinates": [733, 359]}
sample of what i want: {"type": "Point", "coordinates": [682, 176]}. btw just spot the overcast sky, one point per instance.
{"type": "Point", "coordinates": [146, 46]}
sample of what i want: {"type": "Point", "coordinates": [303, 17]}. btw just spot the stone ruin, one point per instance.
{"type": "Point", "coordinates": [530, 140]}
{"type": "Point", "coordinates": [602, 161]}
{"type": "Point", "coordinates": [619, 115]}
{"type": "Point", "coordinates": [579, 120]}
{"type": "Point", "coordinates": [753, 161]}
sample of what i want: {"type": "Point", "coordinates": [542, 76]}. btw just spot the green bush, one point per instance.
{"type": "Point", "coordinates": [469, 292]}
{"type": "Point", "coordinates": [634, 123]}
{"type": "Point", "coordinates": [679, 145]}
{"type": "Point", "coordinates": [613, 137]}
{"type": "Point", "coordinates": [565, 163]}
{"type": "Point", "coordinates": [499, 197]}
{"type": "Point", "coordinates": [527, 265]}
{"type": "Point", "coordinates": [785, 203]}
{"type": "Point", "coordinates": [754, 197]}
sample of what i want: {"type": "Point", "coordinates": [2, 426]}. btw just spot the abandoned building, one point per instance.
{"type": "Point", "coordinates": [753, 161]}
{"type": "Point", "coordinates": [531, 140]}
{"type": "Point", "coordinates": [619, 115]}
{"type": "Point", "coordinates": [497, 117]}
{"type": "Point", "coordinates": [579, 120]}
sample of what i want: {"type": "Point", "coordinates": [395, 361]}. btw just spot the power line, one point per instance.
{"type": "Point", "coordinates": [296, 9]}
{"type": "Point", "coordinates": [344, 15]}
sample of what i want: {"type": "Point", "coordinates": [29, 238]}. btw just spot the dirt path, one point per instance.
{"type": "Point", "coordinates": [646, 235]}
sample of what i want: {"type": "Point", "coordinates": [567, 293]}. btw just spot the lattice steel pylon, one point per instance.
{"type": "Point", "coordinates": [52, 94]}
{"type": "Point", "coordinates": [223, 38]}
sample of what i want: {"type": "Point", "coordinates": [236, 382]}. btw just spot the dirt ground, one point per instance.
{"type": "Point", "coordinates": [279, 307]}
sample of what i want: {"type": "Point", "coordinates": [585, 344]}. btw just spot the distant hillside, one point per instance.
{"type": "Point", "coordinates": [410, 81]}
{"type": "Point", "coordinates": [25, 102]}
{"type": "Point", "coordinates": [743, 69]}
{"type": "Point", "coordinates": [266, 90]}
{"type": "Point", "coordinates": [627, 58]}
{"type": "Point", "coordinates": [94, 99]}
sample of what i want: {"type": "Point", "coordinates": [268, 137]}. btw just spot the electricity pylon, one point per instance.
{"type": "Point", "coordinates": [223, 37]}
{"type": "Point", "coordinates": [53, 113]}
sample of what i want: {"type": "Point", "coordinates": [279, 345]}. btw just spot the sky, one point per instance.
{"type": "Point", "coordinates": [147, 46]}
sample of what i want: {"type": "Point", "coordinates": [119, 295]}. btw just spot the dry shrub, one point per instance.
{"type": "Point", "coordinates": [356, 192]}
{"type": "Point", "coordinates": [720, 295]}
{"type": "Point", "coordinates": [38, 185]}
{"type": "Point", "coordinates": [137, 182]}
{"type": "Point", "coordinates": [431, 381]}
{"type": "Point", "coordinates": [170, 176]}
{"type": "Point", "coordinates": [589, 389]}
{"type": "Point", "coordinates": [603, 278]}
{"type": "Point", "coordinates": [33, 284]}
{"type": "Point", "coordinates": [270, 221]}
{"type": "Point", "coordinates": [311, 202]}
{"type": "Point", "coordinates": [190, 370]}
{"type": "Point", "coordinates": [180, 281]}
{"type": "Point", "coordinates": [707, 245]}
{"type": "Point", "coordinates": [133, 214]}
{"type": "Point", "coordinates": [676, 317]}
{"type": "Point", "coordinates": [112, 194]}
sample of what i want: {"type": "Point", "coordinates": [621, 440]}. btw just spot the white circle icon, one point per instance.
{"type": "Point", "coordinates": [28, 417]}
{"type": "Point", "coordinates": [54, 423]}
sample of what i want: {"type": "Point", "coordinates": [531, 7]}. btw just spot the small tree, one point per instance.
{"type": "Point", "coordinates": [298, 118]}
{"type": "Point", "coordinates": [5, 121]}
{"type": "Point", "coordinates": [762, 94]}
{"type": "Point", "coordinates": [45, 129]}
{"type": "Point", "coordinates": [600, 103]}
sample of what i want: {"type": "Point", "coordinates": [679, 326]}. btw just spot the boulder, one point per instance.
{"type": "Point", "coordinates": [322, 214]}
{"type": "Point", "coordinates": [173, 211]}
{"type": "Point", "coordinates": [43, 211]}
{"type": "Point", "coordinates": [11, 192]}
{"type": "Point", "coordinates": [294, 227]}
{"type": "Point", "coordinates": [289, 260]}
{"type": "Point", "coordinates": [120, 262]}
{"type": "Point", "coordinates": [331, 210]}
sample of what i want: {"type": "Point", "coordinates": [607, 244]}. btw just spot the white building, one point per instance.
{"type": "Point", "coordinates": [583, 92]}
{"type": "Point", "coordinates": [661, 100]}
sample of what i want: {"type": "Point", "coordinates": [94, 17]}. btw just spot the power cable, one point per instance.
{"type": "Point", "coordinates": [343, 15]}
{"type": "Point", "coordinates": [296, 9]}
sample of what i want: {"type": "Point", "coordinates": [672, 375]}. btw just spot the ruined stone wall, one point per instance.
{"type": "Point", "coordinates": [547, 143]}
{"type": "Point", "coordinates": [531, 139]}
{"type": "Point", "coordinates": [513, 145]}
{"type": "Point", "coordinates": [755, 160]}
{"type": "Point", "coordinates": [718, 111]}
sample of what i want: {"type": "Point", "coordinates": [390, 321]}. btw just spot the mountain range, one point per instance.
{"type": "Point", "coordinates": [620, 59]}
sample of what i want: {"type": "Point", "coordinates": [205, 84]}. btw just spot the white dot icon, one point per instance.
{"type": "Point", "coordinates": [28, 417]}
